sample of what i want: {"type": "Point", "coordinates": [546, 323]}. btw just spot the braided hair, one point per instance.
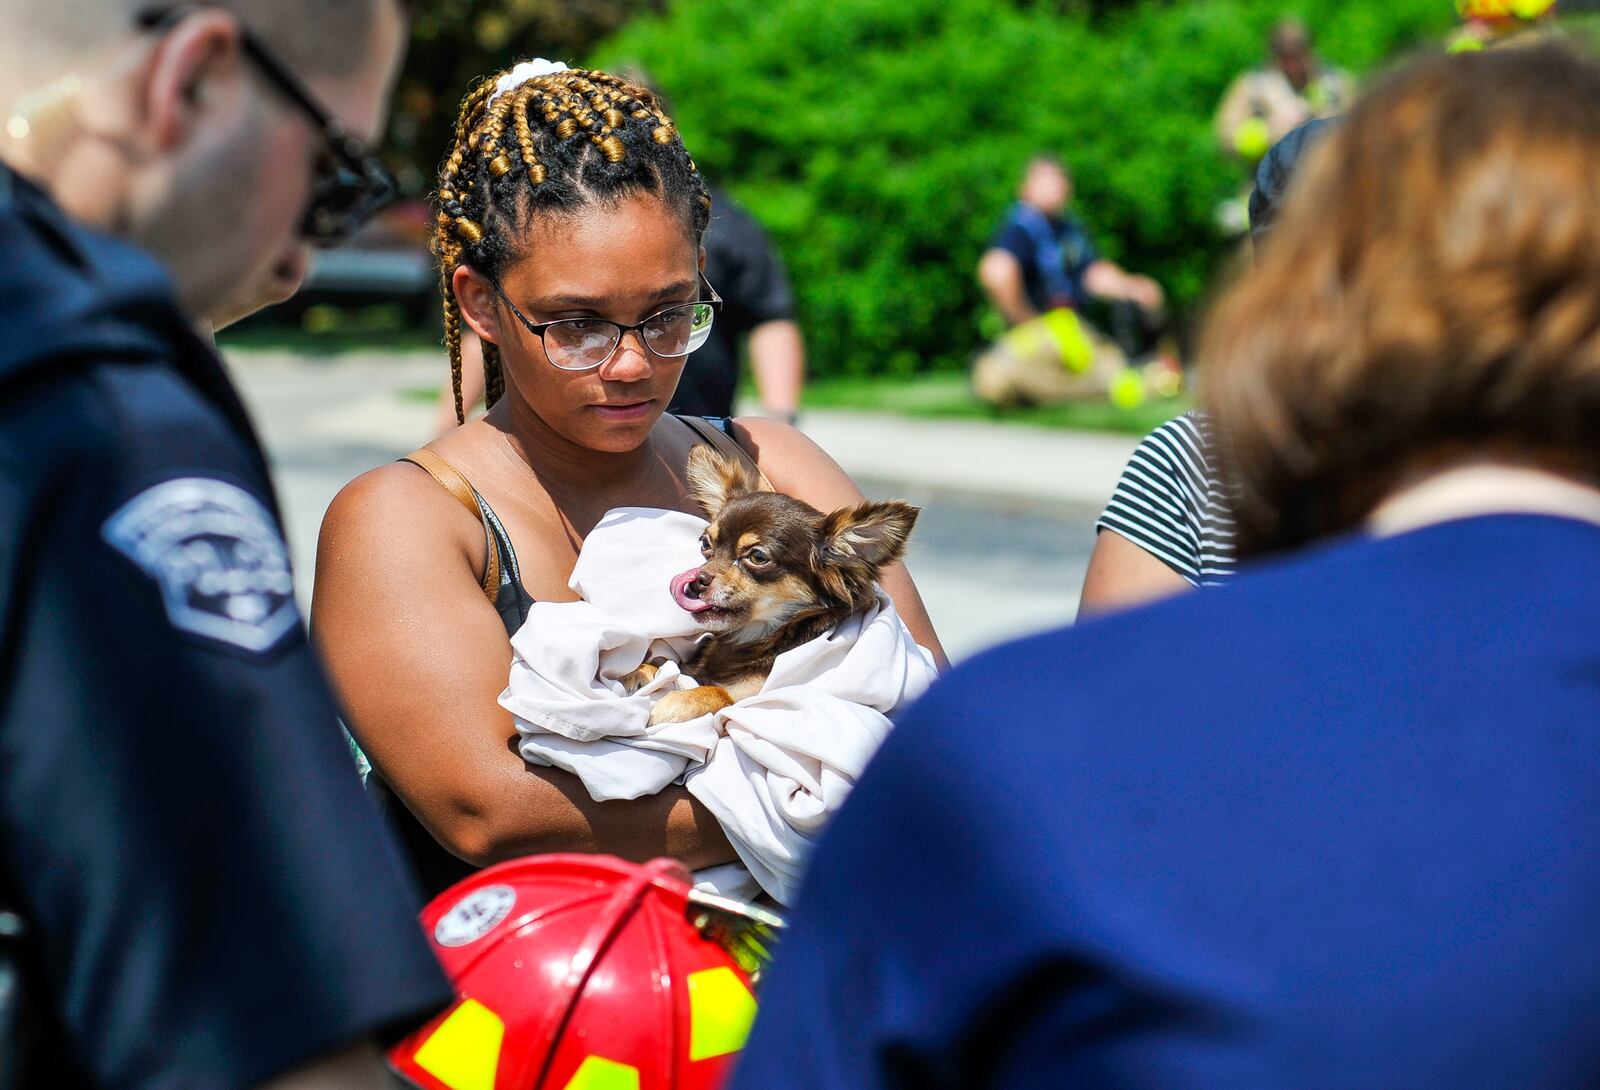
{"type": "Point", "coordinates": [552, 144]}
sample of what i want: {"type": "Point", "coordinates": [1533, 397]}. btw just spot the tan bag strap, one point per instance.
{"type": "Point", "coordinates": [724, 444]}
{"type": "Point", "coordinates": [455, 484]}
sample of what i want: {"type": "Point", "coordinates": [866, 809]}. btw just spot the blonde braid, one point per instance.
{"type": "Point", "coordinates": [451, 225]}
{"type": "Point", "coordinates": [452, 344]}
{"type": "Point", "coordinates": [492, 136]}
{"type": "Point", "coordinates": [524, 135]}
{"type": "Point", "coordinates": [452, 193]}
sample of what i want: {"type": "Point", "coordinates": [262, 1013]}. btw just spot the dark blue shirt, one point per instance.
{"type": "Point", "coordinates": [1054, 254]}
{"type": "Point", "coordinates": [1332, 826]}
{"type": "Point", "coordinates": [211, 899]}
{"type": "Point", "coordinates": [745, 270]}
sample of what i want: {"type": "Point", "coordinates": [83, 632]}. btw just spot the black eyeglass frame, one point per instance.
{"type": "Point", "coordinates": [342, 199]}
{"type": "Point", "coordinates": [538, 328]}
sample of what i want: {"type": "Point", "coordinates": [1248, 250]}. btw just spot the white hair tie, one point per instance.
{"type": "Point", "coordinates": [521, 74]}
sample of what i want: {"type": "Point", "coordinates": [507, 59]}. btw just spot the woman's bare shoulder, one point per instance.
{"type": "Point", "coordinates": [380, 495]}
{"type": "Point", "coordinates": [794, 463]}
{"type": "Point", "coordinates": [401, 509]}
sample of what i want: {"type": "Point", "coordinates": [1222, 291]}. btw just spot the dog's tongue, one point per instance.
{"type": "Point", "coordinates": [680, 592]}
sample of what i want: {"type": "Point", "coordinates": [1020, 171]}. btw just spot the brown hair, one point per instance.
{"type": "Point", "coordinates": [1432, 289]}
{"type": "Point", "coordinates": [549, 146]}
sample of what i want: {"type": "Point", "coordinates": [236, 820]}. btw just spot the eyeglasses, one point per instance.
{"type": "Point", "coordinates": [582, 344]}
{"type": "Point", "coordinates": [351, 185]}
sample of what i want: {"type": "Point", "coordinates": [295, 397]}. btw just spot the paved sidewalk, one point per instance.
{"type": "Point", "coordinates": [1023, 465]}
{"type": "Point", "coordinates": [360, 399]}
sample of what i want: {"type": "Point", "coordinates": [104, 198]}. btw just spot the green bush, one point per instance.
{"type": "Point", "coordinates": [880, 140]}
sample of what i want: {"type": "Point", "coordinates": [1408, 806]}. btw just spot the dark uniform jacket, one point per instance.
{"type": "Point", "coordinates": [210, 899]}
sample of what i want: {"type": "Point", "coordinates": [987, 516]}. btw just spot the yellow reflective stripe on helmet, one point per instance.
{"type": "Point", "coordinates": [464, 1052]}
{"type": "Point", "coordinates": [596, 1073]}
{"type": "Point", "coordinates": [721, 1009]}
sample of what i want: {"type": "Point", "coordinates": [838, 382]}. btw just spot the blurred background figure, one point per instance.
{"type": "Point", "coordinates": [758, 309]}
{"type": "Point", "coordinates": [1263, 105]}
{"type": "Point", "coordinates": [1039, 272]}
{"type": "Point", "coordinates": [1489, 22]}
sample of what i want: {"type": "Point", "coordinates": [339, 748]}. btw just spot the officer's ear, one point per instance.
{"type": "Point", "coordinates": [477, 297]}
{"type": "Point", "coordinates": [194, 63]}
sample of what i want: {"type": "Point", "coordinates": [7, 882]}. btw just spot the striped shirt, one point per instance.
{"type": "Point", "coordinates": [1169, 504]}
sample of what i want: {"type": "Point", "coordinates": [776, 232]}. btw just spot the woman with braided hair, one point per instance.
{"type": "Point", "coordinates": [568, 236]}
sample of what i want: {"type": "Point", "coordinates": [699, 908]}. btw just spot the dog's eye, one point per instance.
{"type": "Point", "coordinates": [705, 544]}
{"type": "Point", "coordinates": [757, 555]}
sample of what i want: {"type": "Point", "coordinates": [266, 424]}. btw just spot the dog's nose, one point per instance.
{"type": "Point", "coordinates": [702, 580]}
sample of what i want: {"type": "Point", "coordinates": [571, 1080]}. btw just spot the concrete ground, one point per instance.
{"type": "Point", "coordinates": [999, 550]}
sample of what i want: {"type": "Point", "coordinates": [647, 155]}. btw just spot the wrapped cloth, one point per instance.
{"type": "Point", "coordinates": [772, 767]}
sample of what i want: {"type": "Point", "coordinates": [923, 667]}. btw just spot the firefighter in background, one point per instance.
{"type": "Point", "coordinates": [1039, 270]}
{"type": "Point", "coordinates": [1262, 106]}
{"type": "Point", "coordinates": [1491, 22]}
{"type": "Point", "coordinates": [585, 972]}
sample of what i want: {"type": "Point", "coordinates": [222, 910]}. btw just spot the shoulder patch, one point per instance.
{"type": "Point", "coordinates": [217, 555]}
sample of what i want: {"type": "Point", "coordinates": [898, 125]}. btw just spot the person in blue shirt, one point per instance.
{"type": "Point", "coordinates": [1039, 272]}
{"type": "Point", "coordinates": [206, 896]}
{"type": "Point", "coordinates": [1330, 826]}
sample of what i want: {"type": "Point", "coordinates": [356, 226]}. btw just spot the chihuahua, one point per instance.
{"type": "Point", "coordinates": [777, 573]}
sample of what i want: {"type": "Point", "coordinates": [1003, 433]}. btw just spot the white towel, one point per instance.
{"type": "Point", "coordinates": [568, 656]}
{"type": "Point", "coordinates": [772, 767]}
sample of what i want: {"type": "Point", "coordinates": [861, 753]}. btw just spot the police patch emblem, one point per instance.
{"type": "Point", "coordinates": [217, 555]}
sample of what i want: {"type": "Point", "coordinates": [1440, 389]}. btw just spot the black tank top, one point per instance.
{"type": "Point", "coordinates": [435, 867]}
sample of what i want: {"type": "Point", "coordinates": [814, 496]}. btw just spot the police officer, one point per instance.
{"type": "Point", "coordinates": [209, 899]}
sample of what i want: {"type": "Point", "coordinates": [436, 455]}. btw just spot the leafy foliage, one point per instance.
{"type": "Point", "coordinates": [880, 141]}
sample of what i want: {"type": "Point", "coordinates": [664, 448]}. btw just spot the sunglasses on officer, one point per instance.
{"type": "Point", "coordinates": [351, 185]}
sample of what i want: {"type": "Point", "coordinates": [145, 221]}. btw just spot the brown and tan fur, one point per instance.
{"type": "Point", "coordinates": [779, 572]}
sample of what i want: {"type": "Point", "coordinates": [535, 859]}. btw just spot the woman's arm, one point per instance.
{"type": "Point", "coordinates": [1121, 575]}
{"type": "Point", "coordinates": [798, 467]}
{"type": "Point", "coordinates": [419, 658]}
{"type": "Point", "coordinates": [1155, 511]}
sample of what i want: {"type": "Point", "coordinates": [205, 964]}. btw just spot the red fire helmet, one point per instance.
{"type": "Point", "coordinates": [585, 972]}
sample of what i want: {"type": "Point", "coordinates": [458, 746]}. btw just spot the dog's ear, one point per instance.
{"type": "Point", "coordinates": [868, 534]}
{"type": "Point", "coordinates": [714, 479]}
